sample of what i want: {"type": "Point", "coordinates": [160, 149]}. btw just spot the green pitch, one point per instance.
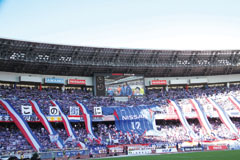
{"type": "Point", "coordinates": [213, 155]}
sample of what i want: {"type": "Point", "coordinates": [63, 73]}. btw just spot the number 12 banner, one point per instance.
{"type": "Point", "coordinates": [135, 119]}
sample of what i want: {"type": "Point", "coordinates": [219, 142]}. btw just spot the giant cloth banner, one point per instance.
{"type": "Point", "coordinates": [138, 120]}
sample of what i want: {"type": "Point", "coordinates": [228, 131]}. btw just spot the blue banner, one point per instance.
{"type": "Point", "coordinates": [54, 80]}
{"type": "Point", "coordinates": [97, 149]}
{"type": "Point", "coordinates": [134, 119]}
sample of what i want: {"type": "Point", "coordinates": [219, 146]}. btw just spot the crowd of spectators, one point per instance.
{"type": "Point", "coordinates": [11, 139]}
{"type": "Point", "coordinates": [171, 131]}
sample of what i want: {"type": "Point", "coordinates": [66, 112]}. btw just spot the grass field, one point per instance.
{"type": "Point", "coordinates": [213, 155]}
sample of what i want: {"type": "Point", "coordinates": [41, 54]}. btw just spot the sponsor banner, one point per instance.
{"type": "Point", "coordinates": [75, 153]}
{"type": "Point", "coordinates": [53, 111]}
{"type": "Point", "coordinates": [235, 148]}
{"type": "Point", "coordinates": [159, 82]}
{"type": "Point", "coordinates": [77, 81]}
{"type": "Point", "coordinates": [214, 148]}
{"type": "Point", "coordinates": [129, 145]}
{"type": "Point", "coordinates": [69, 153]}
{"type": "Point", "coordinates": [30, 79]}
{"type": "Point", "coordinates": [167, 150]}
{"type": "Point", "coordinates": [26, 110]}
{"type": "Point", "coordinates": [54, 80]}
{"type": "Point", "coordinates": [97, 149]}
{"type": "Point", "coordinates": [188, 149]}
{"type": "Point", "coordinates": [139, 150]}
{"type": "Point", "coordinates": [74, 110]}
{"type": "Point", "coordinates": [116, 149]}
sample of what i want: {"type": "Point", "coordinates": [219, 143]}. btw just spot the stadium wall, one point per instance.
{"type": "Point", "coordinates": [38, 78]}
{"type": "Point", "coordinates": [196, 79]}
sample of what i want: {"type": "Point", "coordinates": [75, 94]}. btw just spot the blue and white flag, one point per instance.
{"type": "Point", "coordinates": [224, 117]}
{"type": "Point", "coordinates": [202, 117]}
{"type": "Point", "coordinates": [52, 133]}
{"type": "Point", "coordinates": [22, 125]}
{"type": "Point", "coordinates": [68, 125]}
{"type": "Point", "coordinates": [235, 102]}
{"type": "Point", "coordinates": [183, 119]}
{"type": "Point", "coordinates": [87, 116]}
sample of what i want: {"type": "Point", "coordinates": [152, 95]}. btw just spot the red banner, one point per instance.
{"type": "Point", "coordinates": [214, 148]}
{"type": "Point", "coordinates": [159, 82]}
{"type": "Point", "coordinates": [77, 81]}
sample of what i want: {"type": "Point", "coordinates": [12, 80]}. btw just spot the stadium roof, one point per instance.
{"type": "Point", "coordinates": [44, 58]}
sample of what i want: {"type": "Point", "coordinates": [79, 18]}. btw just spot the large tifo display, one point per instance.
{"type": "Point", "coordinates": [138, 120]}
{"type": "Point", "coordinates": [119, 84]}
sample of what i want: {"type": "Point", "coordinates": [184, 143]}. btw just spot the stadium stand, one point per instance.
{"type": "Point", "coordinates": [144, 120]}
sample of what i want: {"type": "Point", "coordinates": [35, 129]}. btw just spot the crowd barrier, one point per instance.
{"type": "Point", "coordinates": [117, 150]}
{"type": "Point", "coordinates": [63, 154]}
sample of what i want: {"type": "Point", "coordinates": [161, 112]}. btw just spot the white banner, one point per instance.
{"type": "Point", "coordinates": [26, 110]}
{"type": "Point", "coordinates": [97, 110]}
{"type": "Point", "coordinates": [139, 151]}
{"type": "Point", "coordinates": [166, 150]}
{"type": "Point", "coordinates": [53, 111]}
{"type": "Point", "coordinates": [74, 110]}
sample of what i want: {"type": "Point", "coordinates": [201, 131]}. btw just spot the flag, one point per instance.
{"type": "Point", "coordinates": [110, 137]}
{"type": "Point", "coordinates": [53, 137]}
{"type": "Point", "coordinates": [67, 124]}
{"type": "Point", "coordinates": [22, 125]}
{"type": "Point", "coordinates": [87, 116]}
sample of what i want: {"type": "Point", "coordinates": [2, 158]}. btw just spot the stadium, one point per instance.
{"type": "Point", "coordinates": [54, 101]}
{"type": "Point", "coordinates": [67, 101]}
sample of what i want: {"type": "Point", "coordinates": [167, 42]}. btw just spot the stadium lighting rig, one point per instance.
{"type": "Point", "coordinates": [36, 56]}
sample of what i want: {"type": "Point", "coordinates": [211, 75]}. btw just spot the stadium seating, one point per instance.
{"type": "Point", "coordinates": [172, 130]}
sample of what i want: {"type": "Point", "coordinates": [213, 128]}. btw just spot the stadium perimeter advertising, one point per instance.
{"type": "Point", "coordinates": [119, 84]}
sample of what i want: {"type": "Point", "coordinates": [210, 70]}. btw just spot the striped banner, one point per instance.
{"type": "Point", "coordinates": [22, 125]}
{"type": "Point", "coordinates": [88, 121]}
{"type": "Point", "coordinates": [46, 123]}
{"type": "Point", "coordinates": [68, 125]}
{"type": "Point", "coordinates": [235, 102]}
{"type": "Point", "coordinates": [224, 117]}
{"type": "Point", "coordinates": [183, 119]}
{"type": "Point", "coordinates": [202, 117]}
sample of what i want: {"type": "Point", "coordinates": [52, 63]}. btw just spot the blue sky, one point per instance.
{"type": "Point", "coordinates": [150, 24]}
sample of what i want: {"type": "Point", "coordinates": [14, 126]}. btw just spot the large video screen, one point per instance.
{"type": "Point", "coordinates": [124, 85]}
